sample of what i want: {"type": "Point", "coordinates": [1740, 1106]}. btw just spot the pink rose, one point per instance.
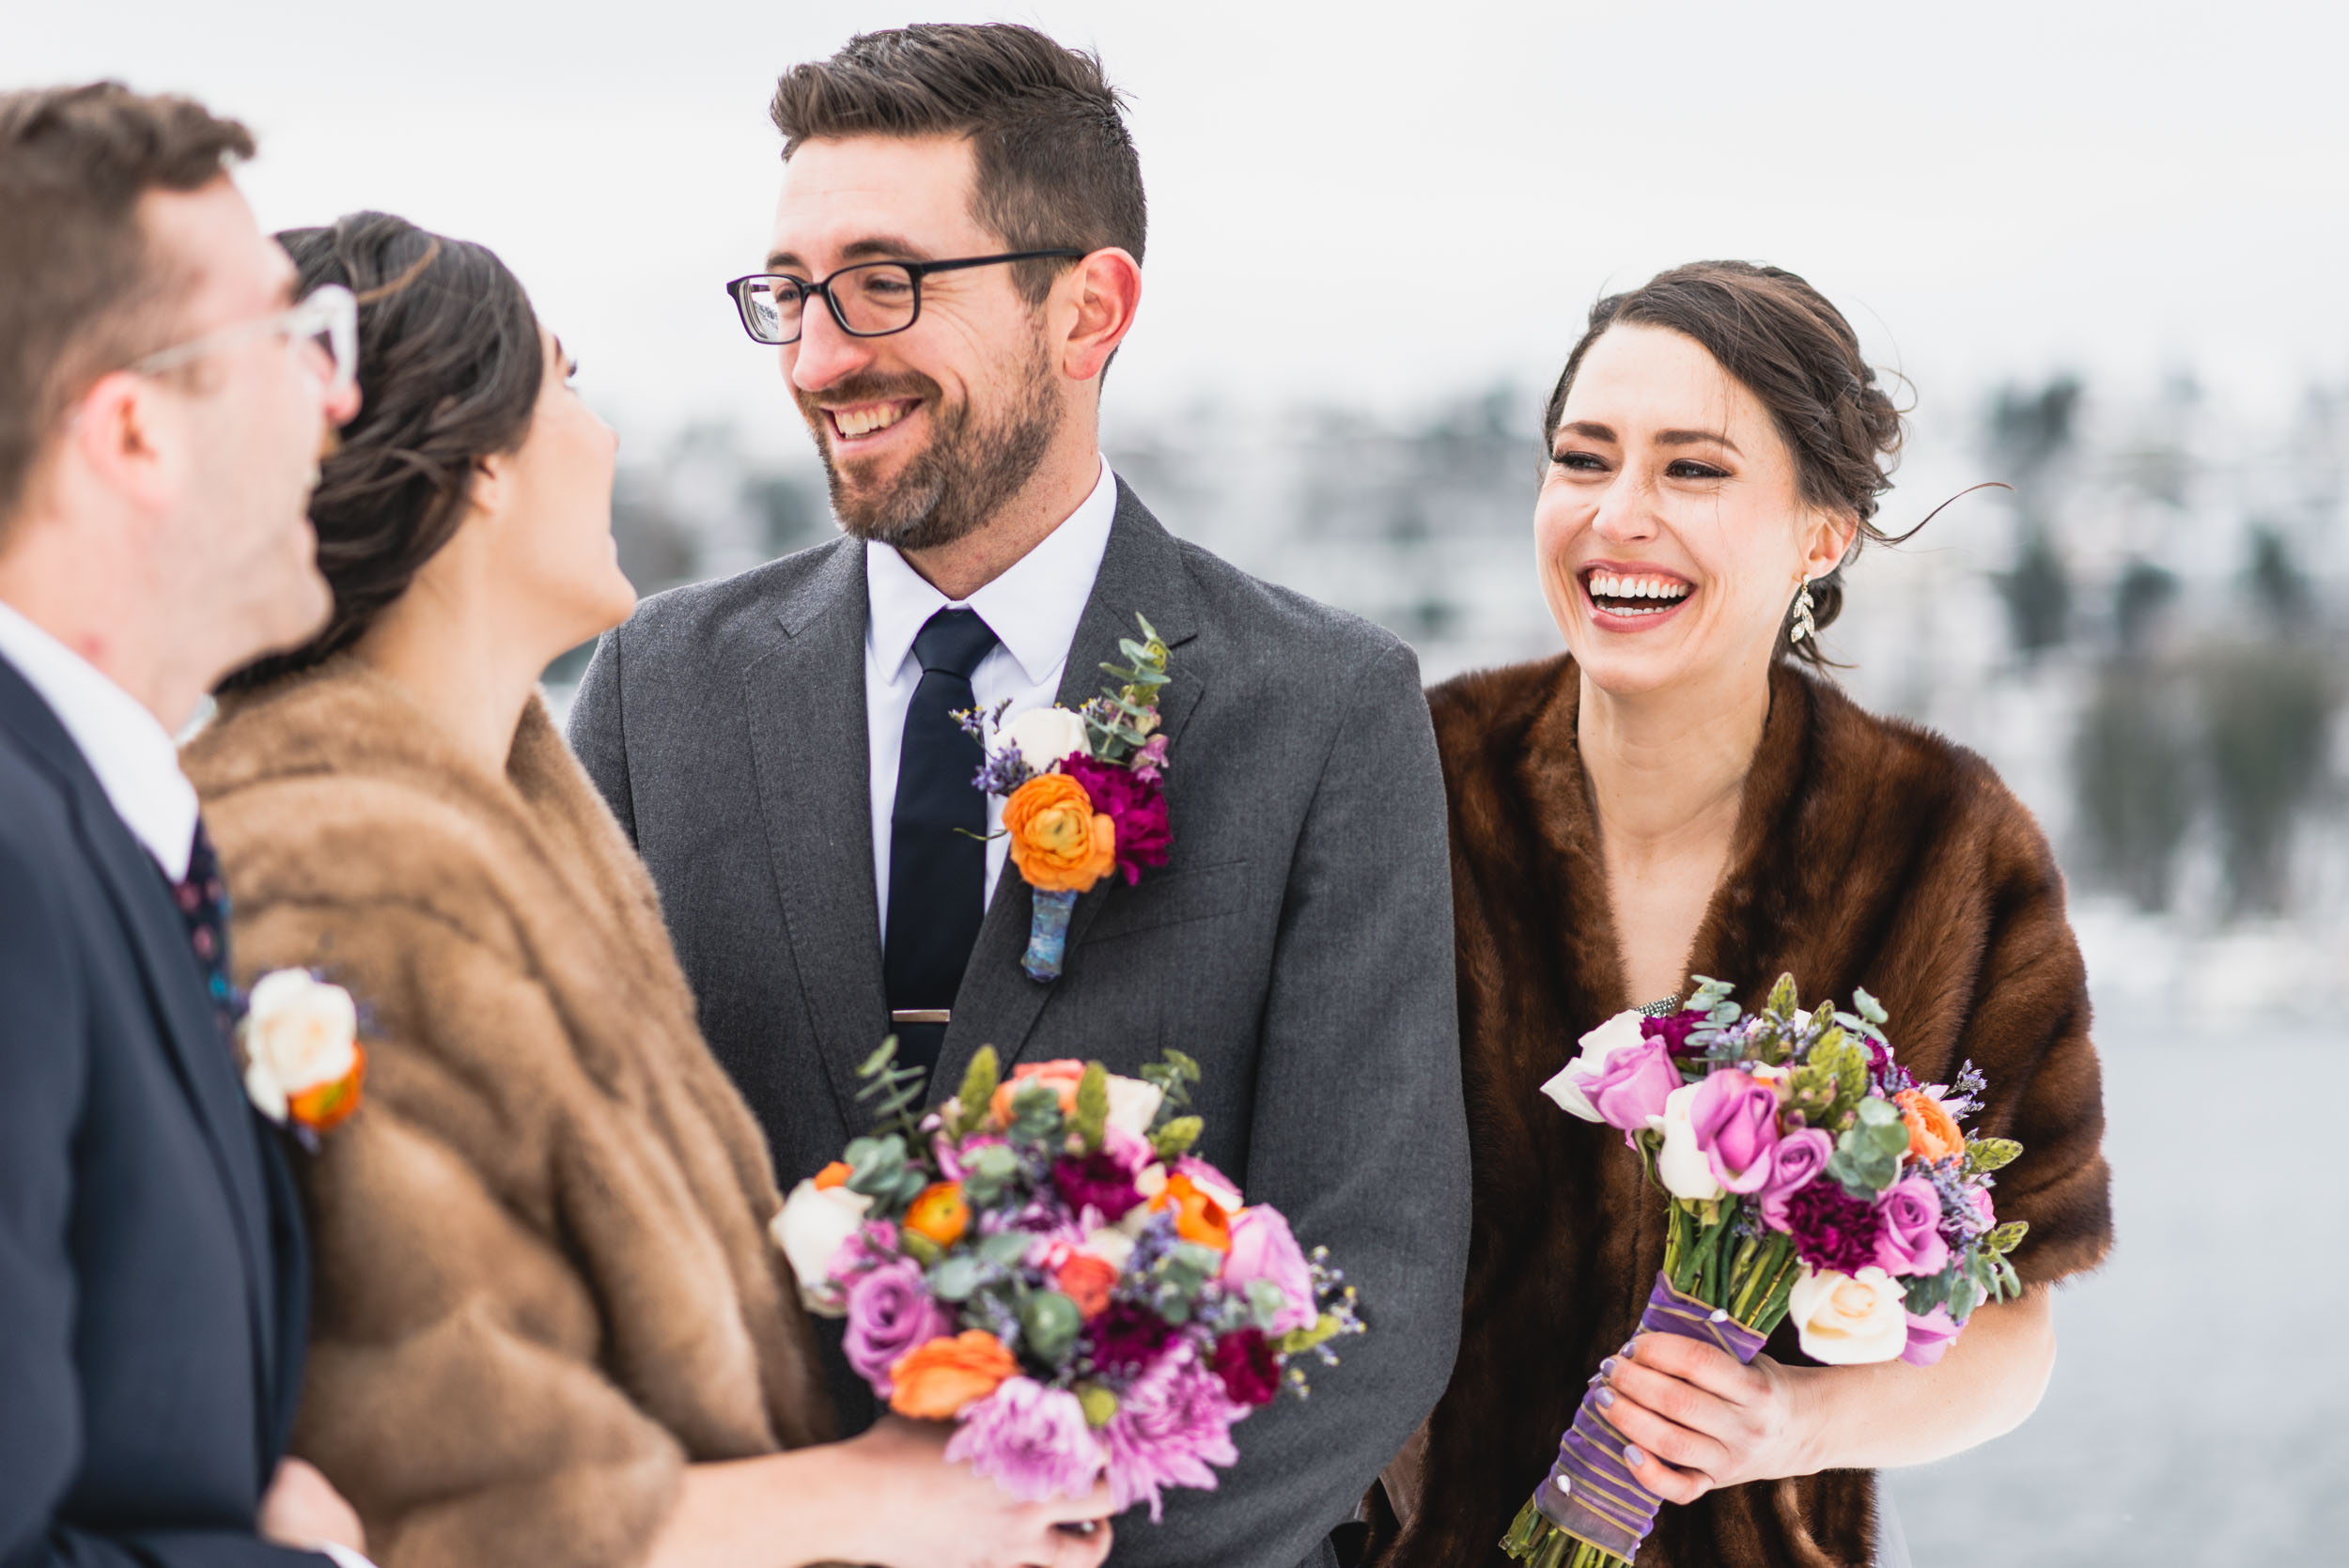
{"type": "Point", "coordinates": [1735, 1117]}
{"type": "Point", "coordinates": [1908, 1237]}
{"type": "Point", "coordinates": [1929, 1337]}
{"type": "Point", "coordinates": [1632, 1084]}
{"type": "Point", "coordinates": [1794, 1164]}
{"type": "Point", "coordinates": [1264, 1249]}
{"type": "Point", "coordinates": [890, 1313]}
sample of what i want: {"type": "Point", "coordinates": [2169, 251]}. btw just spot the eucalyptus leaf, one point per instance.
{"type": "Point", "coordinates": [955, 1276]}
{"type": "Point", "coordinates": [1868, 1007]}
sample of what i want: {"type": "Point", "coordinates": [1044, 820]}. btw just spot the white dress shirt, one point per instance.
{"type": "Point", "coordinates": [1032, 609]}
{"type": "Point", "coordinates": [128, 748]}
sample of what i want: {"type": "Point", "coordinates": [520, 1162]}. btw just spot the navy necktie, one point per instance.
{"type": "Point", "coordinates": [202, 896]}
{"type": "Point", "coordinates": [937, 857]}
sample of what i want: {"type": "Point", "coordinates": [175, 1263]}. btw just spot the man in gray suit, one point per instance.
{"type": "Point", "coordinates": [956, 258]}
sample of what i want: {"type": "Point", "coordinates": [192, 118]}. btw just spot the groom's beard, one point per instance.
{"type": "Point", "coordinates": [954, 485]}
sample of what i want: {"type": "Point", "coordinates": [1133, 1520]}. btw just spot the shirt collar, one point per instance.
{"type": "Point", "coordinates": [133, 755]}
{"type": "Point", "coordinates": [1032, 608]}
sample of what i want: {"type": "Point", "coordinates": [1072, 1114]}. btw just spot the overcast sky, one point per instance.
{"type": "Point", "coordinates": [1374, 202]}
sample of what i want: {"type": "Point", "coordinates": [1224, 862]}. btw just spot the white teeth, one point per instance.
{"type": "Point", "coordinates": [869, 418]}
{"type": "Point", "coordinates": [1614, 585]}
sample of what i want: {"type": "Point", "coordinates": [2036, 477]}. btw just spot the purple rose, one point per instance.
{"type": "Point", "coordinates": [1632, 1084]}
{"type": "Point", "coordinates": [1735, 1117]}
{"type": "Point", "coordinates": [1031, 1440]}
{"type": "Point", "coordinates": [1263, 1247]}
{"type": "Point", "coordinates": [1136, 804]}
{"type": "Point", "coordinates": [891, 1312]}
{"type": "Point", "coordinates": [1909, 1239]}
{"type": "Point", "coordinates": [1929, 1337]}
{"type": "Point", "coordinates": [1794, 1164]}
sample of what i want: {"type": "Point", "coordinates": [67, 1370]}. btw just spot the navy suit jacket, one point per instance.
{"type": "Point", "coordinates": [152, 1281]}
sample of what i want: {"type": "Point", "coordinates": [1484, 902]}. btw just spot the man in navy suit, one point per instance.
{"type": "Point", "coordinates": [162, 401]}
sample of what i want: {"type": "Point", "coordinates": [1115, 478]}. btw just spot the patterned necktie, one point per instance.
{"type": "Point", "coordinates": [937, 860]}
{"type": "Point", "coordinates": [203, 900]}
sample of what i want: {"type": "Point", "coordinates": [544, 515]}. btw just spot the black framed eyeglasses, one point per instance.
{"type": "Point", "coordinates": [871, 298]}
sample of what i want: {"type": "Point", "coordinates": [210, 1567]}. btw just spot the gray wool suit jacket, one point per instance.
{"type": "Point", "coordinates": [1298, 943]}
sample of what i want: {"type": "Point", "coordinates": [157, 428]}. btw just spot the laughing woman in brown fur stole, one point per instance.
{"type": "Point", "coordinates": [1681, 792]}
{"type": "Point", "coordinates": [549, 1328]}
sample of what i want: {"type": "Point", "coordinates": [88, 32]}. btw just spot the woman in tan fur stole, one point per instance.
{"type": "Point", "coordinates": [548, 1327]}
{"type": "Point", "coordinates": [1681, 793]}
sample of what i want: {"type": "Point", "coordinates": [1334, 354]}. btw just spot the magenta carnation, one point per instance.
{"type": "Point", "coordinates": [1674, 1029]}
{"type": "Point", "coordinates": [890, 1313]}
{"type": "Point", "coordinates": [1031, 1440]}
{"type": "Point", "coordinates": [1100, 1180]}
{"type": "Point", "coordinates": [1127, 1338]}
{"type": "Point", "coordinates": [1173, 1422]}
{"type": "Point", "coordinates": [1137, 805]}
{"type": "Point", "coordinates": [1831, 1227]}
{"type": "Point", "coordinates": [1246, 1364]}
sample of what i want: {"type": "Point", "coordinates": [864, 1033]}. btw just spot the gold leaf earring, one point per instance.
{"type": "Point", "coordinates": [1804, 625]}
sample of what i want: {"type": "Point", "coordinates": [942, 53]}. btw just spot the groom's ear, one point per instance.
{"type": "Point", "coordinates": [1098, 299]}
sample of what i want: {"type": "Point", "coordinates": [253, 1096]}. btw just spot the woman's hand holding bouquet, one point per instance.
{"type": "Point", "coordinates": [1809, 1175]}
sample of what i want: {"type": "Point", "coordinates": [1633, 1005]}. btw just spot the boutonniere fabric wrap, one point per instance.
{"type": "Point", "coordinates": [302, 1059]}
{"type": "Point", "coordinates": [1083, 792]}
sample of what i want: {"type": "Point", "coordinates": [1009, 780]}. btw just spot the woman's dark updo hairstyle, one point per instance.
{"type": "Point", "coordinates": [1791, 349]}
{"type": "Point", "coordinates": [450, 366]}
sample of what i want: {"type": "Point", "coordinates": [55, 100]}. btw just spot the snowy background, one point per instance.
{"type": "Point", "coordinates": [2104, 243]}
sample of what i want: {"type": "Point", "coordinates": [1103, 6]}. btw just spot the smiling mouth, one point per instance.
{"type": "Point", "coordinates": [1633, 594]}
{"type": "Point", "coordinates": [859, 420]}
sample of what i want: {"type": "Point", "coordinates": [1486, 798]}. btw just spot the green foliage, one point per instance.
{"type": "Point", "coordinates": [979, 1082]}
{"type": "Point", "coordinates": [1867, 1158]}
{"type": "Point", "coordinates": [896, 1090]}
{"type": "Point", "coordinates": [1125, 717]}
{"type": "Point", "coordinates": [957, 1277]}
{"type": "Point", "coordinates": [2006, 1237]}
{"type": "Point", "coordinates": [1173, 1075]}
{"type": "Point", "coordinates": [1093, 1107]}
{"type": "Point", "coordinates": [1035, 1116]}
{"type": "Point", "coordinates": [1868, 1007]}
{"type": "Point", "coordinates": [1176, 1280]}
{"type": "Point", "coordinates": [986, 1172]}
{"type": "Point", "coordinates": [921, 1248]}
{"type": "Point", "coordinates": [1266, 1302]}
{"type": "Point", "coordinates": [1991, 1154]}
{"type": "Point", "coordinates": [1298, 1341]}
{"type": "Point", "coordinates": [879, 1169]}
{"type": "Point", "coordinates": [1172, 1140]}
{"type": "Point", "coordinates": [1099, 1404]}
{"type": "Point", "coordinates": [1049, 1321]}
{"type": "Point", "coordinates": [1006, 1247]}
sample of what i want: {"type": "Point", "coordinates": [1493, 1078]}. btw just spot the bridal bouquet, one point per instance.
{"type": "Point", "coordinates": [1082, 792]}
{"type": "Point", "coordinates": [1044, 1263]}
{"type": "Point", "coordinates": [1809, 1175]}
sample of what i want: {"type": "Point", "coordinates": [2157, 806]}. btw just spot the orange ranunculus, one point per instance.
{"type": "Point", "coordinates": [326, 1107]}
{"type": "Point", "coordinates": [1063, 1077]}
{"type": "Point", "coordinates": [1932, 1131]}
{"type": "Point", "coordinates": [1086, 1281]}
{"type": "Point", "coordinates": [1058, 841]}
{"type": "Point", "coordinates": [939, 1213]}
{"type": "Point", "coordinates": [1198, 1218]}
{"type": "Point", "coordinates": [934, 1381]}
{"type": "Point", "coordinates": [835, 1175]}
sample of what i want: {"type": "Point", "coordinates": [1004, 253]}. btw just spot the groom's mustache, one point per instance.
{"type": "Point", "coordinates": [868, 386]}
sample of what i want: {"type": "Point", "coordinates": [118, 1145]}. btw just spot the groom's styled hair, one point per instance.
{"type": "Point", "coordinates": [1056, 167]}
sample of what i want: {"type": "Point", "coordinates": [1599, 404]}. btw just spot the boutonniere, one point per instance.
{"type": "Point", "coordinates": [302, 1059]}
{"type": "Point", "coordinates": [1084, 793]}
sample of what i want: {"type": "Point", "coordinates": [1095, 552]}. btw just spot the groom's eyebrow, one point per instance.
{"type": "Point", "coordinates": [879, 247]}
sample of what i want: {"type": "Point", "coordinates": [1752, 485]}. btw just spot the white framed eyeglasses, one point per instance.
{"type": "Point", "coordinates": [327, 318]}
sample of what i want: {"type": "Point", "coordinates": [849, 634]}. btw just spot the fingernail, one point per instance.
{"type": "Point", "coordinates": [1606, 1398]}
{"type": "Point", "coordinates": [1626, 1347]}
{"type": "Point", "coordinates": [1607, 1368]}
{"type": "Point", "coordinates": [1632, 1456]}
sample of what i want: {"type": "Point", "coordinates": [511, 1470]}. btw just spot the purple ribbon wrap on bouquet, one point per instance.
{"type": "Point", "coordinates": [1590, 1493]}
{"type": "Point", "coordinates": [1048, 934]}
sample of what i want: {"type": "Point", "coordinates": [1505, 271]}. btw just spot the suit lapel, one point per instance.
{"type": "Point", "coordinates": [804, 693]}
{"type": "Point", "coordinates": [1142, 572]}
{"type": "Point", "coordinates": [183, 1017]}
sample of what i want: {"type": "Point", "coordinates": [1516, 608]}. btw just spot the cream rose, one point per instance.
{"type": "Point", "coordinates": [1112, 1247]}
{"type": "Point", "coordinates": [300, 1034]}
{"type": "Point", "coordinates": [1849, 1320]}
{"type": "Point", "coordinates": [811, 1228]}
{"type": "Point", "coordinates": [1046, 734]}
{"type": "Point", "coordinates": [1682, 1167]}
{"type": "Point", "coordinates": [1620, 1032]}
{"type": "Point", "coordinates": [1133, 1104]}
